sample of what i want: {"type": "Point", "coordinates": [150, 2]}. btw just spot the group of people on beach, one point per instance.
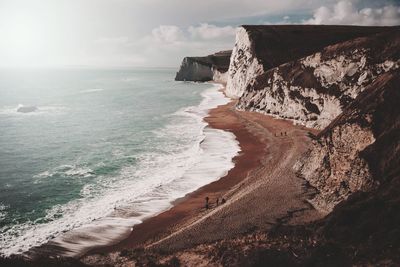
{"type": "Point", "coordinates": [282, 134]}
{"type": "Point", "coordinates": [217, 202]}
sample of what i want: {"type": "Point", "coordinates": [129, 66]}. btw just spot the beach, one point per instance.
{"type": "Point", "coordinates": [261, 191]}
{"type": "Point", "coordinates": [155, 133]}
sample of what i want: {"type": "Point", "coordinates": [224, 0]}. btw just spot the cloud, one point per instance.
{"type": "Point", "coordinates": [121, 40]}
{"type": "Point", "coordinates": [169, 44]}
{"type": "Point", "coordinates": [148, 32]}
{"type": "Point", "coordinates": [344, 12]}
{"type": "Point", "coordinates": [168, 34]}
{"type": "Point", "coordinates": [206, 32]}
{"type": "Point", "coordinates": [166, 45]}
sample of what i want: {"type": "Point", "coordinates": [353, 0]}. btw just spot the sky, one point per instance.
{"type": "Point", "coordinates": [156, 33]}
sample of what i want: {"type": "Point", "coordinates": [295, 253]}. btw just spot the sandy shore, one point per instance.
{"type": "Point", "coordinates": [192, 205]}
{"type": "Point", "coordinates": [261, 190]}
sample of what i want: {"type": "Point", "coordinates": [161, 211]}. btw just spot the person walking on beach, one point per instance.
{"type": "Point", "coordinates": [207, 205]}
{"type": "Point", "coordinates": [217, 201]}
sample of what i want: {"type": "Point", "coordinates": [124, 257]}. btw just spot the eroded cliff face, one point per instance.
{"type": "Point", "coordinates": [314, 90]}
{"type": "Point", "coordinates": [334, 165]}
{"type": "Point", "coordinates": [360, 149]}
{"type": "Point", "coordinates": [261, 48]}
{"type": "Point", "coordinates": [208, 68]}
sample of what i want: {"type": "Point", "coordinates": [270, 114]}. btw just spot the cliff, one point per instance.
{"type": "Point", "coordinates": [212, 67]}
{"type": "Point", "coordinates": [313, 90]}
{"type": "Point", "coordinates": [360, 149]}
{"type": "Point", "coordinates": [260, 48]}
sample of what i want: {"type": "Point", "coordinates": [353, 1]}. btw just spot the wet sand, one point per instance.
{"type": "Point", "coordinates": [261, 190]}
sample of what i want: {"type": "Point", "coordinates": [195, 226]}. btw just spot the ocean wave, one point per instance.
{"type": "Point", "coordinates": [91, 90]}
{"type": "Point", "coordinates": [3, 211]}
{"type": "Point", "coordinates": [212, 98]}
{"type": "Point", "coordinates": [192, 155]}
{"type": "Point", "coordinates": [67, 170]}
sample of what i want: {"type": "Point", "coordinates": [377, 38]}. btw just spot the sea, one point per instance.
{"type": "Point", "coordinates": [85, 154]}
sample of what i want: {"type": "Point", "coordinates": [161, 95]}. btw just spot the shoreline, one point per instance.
{"type": "Point", "coordinates": [191, 206]}
{"type": "Point", "coordinates": [79, 243]}
{"type": "Point", "coordinates": [261, 190]}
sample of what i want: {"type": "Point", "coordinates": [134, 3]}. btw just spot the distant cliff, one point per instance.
{"type": "Point", "coordinates": [212, 67]}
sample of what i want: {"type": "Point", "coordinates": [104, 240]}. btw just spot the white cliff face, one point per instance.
{"type": "Point", "coordinates": [192, 70]}
{"type": "Point", "coordinates": [313, 91]}
{"type": "Point", "coordinates": [244, 65]}
{"type": "Point", "coordinates": [201, 69]}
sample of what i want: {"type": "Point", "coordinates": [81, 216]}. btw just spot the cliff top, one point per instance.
{"type": "Point", "coordinates": [278, 44]}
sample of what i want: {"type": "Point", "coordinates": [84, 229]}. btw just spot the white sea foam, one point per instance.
{"type": "Point", "coordinates": [91, 90]}
{"type": "Point", "coordinates": [109, 208]}
{"type": "Point", "coordinates": [3, 211]}
{"type": "Point", "coordinates": [66, 170]}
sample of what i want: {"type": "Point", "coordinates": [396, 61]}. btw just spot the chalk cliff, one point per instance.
{"type": "Point", "coordinates": [212, 67]}
{"type": "Point", "coordinates": [313, 90]}
{"type": "Point", "coordinates": [260, 48]}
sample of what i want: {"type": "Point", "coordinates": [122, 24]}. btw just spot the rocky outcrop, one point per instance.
{"type": "Point", "coordinates": [212, 67]}
{"type": "Point", "coordinates": [313, 90]}
{"type": "Point", "coordinates": [26, 109]}
{"type": "Point", "coordinates": [360, 149]}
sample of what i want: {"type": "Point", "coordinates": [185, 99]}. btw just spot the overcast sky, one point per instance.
{"type": "Point", "coordinates": [109, 33]}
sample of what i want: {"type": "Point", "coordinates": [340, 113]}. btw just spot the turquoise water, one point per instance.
{"type": "Point", "coordinates": [100, 143]}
